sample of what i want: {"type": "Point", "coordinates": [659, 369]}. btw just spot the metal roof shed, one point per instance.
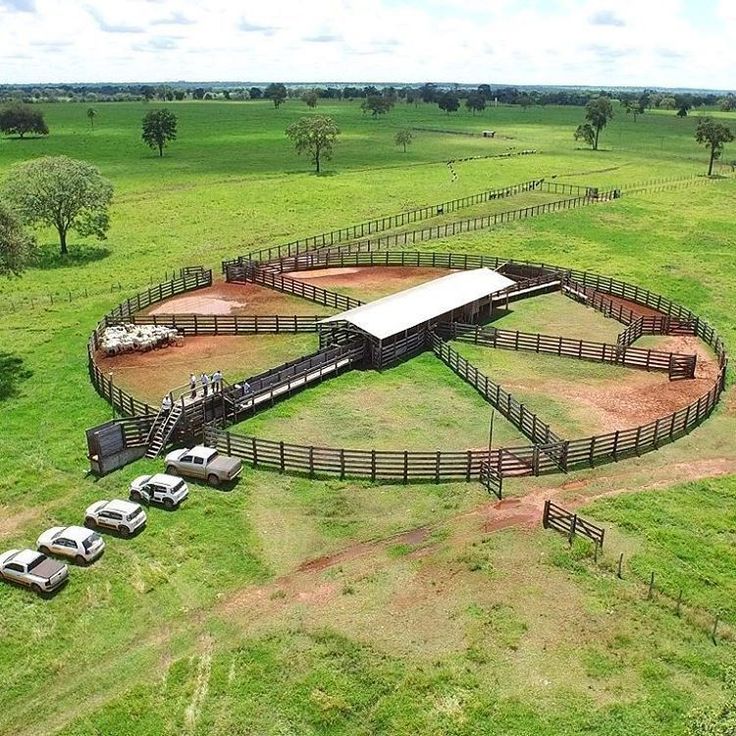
{"type": "Point", "coordinates": [412, 310]}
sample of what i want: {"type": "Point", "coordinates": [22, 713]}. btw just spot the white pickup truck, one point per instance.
{"type": "Point", "coordinates": [33, 569]}
{"type": "Point", "coordinates": [205, 463]}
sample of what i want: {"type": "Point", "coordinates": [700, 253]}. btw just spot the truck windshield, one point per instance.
{"type": "Point", "coordinates": [132, 515]}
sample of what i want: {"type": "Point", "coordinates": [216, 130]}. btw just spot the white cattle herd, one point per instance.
{"type": "Point", "coordinates": [129, 338]}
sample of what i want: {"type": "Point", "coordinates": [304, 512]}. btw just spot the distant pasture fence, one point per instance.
{"type": "Point", "coordinates": [353, 232]}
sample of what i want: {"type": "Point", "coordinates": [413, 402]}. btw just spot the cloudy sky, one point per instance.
{"type": "Point", "coordinates": [676, 43]}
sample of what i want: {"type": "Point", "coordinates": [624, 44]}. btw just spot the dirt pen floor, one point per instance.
{"type": "Point", "coordinates": [369, 282]}
{"type": "Point", "coordinates": [227, 299]}
{"type": "Point", "coordinates": [579, 398]}
{"type": "Point", "coordinates": [148, 376]}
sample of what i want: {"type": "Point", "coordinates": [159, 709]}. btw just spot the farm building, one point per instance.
{"type": "Point", "coordinates": [397, 325]}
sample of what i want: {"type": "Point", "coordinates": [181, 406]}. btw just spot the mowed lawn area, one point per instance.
{"type": "Point", "coordinates": [292, 605]}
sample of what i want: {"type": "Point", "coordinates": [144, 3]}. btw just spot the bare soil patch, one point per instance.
{"type": "Point", "coordinates": [639, 309]}
{"type": "Point", "coordinates": [370, 282]}
{"type": "Point", "coordinates": [224, 298]}
{"type": "Point", "coordinates": [148, 376]}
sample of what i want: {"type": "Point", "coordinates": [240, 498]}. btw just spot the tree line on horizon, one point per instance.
{"type": "Point", "coordinates": [412, 94]}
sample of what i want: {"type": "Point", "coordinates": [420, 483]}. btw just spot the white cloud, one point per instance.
{"type": "Point", "coordinates": [595, 42]}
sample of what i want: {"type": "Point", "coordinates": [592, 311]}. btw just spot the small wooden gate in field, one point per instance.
{"type": "Point", "coordinates": [555, 517]}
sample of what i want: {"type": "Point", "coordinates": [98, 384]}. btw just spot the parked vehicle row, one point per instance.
{"type": "Point", "coordinates": [39, 570]}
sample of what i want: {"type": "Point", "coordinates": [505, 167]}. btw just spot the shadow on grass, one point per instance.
{"type": "Point", "coordinates": [50, 257]}
{"type": "Point", "coordinates": [12, 373]}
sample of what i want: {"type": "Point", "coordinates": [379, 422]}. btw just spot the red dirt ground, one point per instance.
{"type": "Point", "coordinates": [225, 298]}
{"type": "Point", "coordinates": [369, 282]}
{"type": "Point", "coordinates": [639, 309]}
{"type": "Point", "coordinates": [148, 376]}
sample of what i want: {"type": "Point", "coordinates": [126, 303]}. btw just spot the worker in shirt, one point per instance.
{"type": "Point", "coordinates": [205, 379]}
{"type": "Point", "coordinates": [216, 381]}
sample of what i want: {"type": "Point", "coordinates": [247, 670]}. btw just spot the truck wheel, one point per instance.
{"type": "Point", "coordinates": [89, 522]}
{"type": "Point", "coordinates": [135, 496]}
{"type": "Point", "coordinates": [124, 532]}
{"type": "Point", "coordinates": [168, 504]}
{"type": "Point", "coordinates": [44, 550]}
{"type": "Point", "coordinates": [213, 480]}
{"type": "Point", "coordinates": [36, 588]}
{"type": "Point", "coordinates": [170, 470]}
{"type": "Point", "coordinates": [79, 560]}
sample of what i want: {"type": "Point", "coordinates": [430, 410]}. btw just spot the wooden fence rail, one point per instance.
{"type": "Point", "coordinates": [570, 524]}
{"type": "Point", "coordinates": [536, 459]}
{"type": "Point", "coordinates": [524, 420]}
{"type": "Point", "coordinates": [236, 324]}
{"type": "Point", "coordinates": [675, 365]}
{"type": "Point", "coordinates": [244, 274]}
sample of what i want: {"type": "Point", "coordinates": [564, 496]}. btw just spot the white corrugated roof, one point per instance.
{"type": "Point", "coordinates": [406, 309]}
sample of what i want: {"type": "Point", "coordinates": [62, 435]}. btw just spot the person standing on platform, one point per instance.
{"type": "Point", "coordinates": [205, 379]}
{"type": "Point", "coordinates": [192, 386]}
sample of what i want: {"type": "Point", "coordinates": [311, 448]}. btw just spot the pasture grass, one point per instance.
{"type": "Point", "coordinates": [203, 623]}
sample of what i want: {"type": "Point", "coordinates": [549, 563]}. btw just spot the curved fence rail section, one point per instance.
{"type": "Point", "coordinates": [547, 454]}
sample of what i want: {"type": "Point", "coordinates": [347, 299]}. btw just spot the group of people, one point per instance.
{"type": "Point", "coordinates": [213, 383]}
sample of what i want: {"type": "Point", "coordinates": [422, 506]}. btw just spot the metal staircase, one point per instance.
{"type": "Point", "coordinates": [161, 430]}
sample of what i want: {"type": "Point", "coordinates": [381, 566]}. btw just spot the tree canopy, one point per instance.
{"type": "Point", "coordinates": [17, 247]}
{"type": "Point", "coordinates": [449, 102]}
{"type": "Point", "coordinates": [475, 102]}
{"type": "Point", "coordinates": [634, 105]}
{"type": "Point", "coordinates": [585, 132]}
{"type": "Point", "coordinates": [315, 135]}
{"type": "Point", "coordinates": [159, 127]}
{"type": "Point", "coordinates": [376, 105]}
{"type": "Point", "coordinates": [91, 115]}
{"type": "Point", "coordinates": [310, 97]}
{"type": "Point", "coordinates": [276, 93]}
{"type": "Point", "coordinates": [60, 192]}
{"type": "Point", "coordinates": [713, 135]}
{"type": "Point", "coordinates": [404, 137]}
{"type": "Point", "coordinates": [21, 119]}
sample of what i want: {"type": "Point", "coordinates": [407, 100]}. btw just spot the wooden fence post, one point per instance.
{"type": "Point", "coordinates": [573, 528]}
{"type": "Point", "coordinates": [545, 515]}
{"type": "Point", "coordinates": [619, 571]}
{"type": "Point", "coordinates": [651, 587]}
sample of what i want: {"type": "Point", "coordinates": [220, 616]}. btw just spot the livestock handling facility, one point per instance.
{"type": "Point", "coordinates": [397, 325]}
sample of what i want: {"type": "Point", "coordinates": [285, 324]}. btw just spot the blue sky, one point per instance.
{"type": "Point", "coordinates": [676, 43]}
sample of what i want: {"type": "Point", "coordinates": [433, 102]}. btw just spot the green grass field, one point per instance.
{"type": "Point", "coordinates": [209, 622]}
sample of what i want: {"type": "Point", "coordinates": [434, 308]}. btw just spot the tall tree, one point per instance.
{"type": "Point", "coordinates": [585, 132]}
{"type": "Point", "coordinates": [476, 102]}
{"type": "Point", "coordinates": [159, 127]}
{"type": "Point", "coordinates": [315, 135]}
{"type": "Point", "coordinates": [448, 102]}
{"type": "Point", "coordinates": [21, 119]}
{"type": "Point", "coordinates": [276, 93]}
{"type": "Point", "coordinates": [598, 112]}
{"type": "Point", "coordinates": [404, 137]}
{"type": "Point", "coordinates": [17, 247]}
{"type": "Point", "coordinates": [60, 192]}
{"type": "Point", "coordinates": [91, 115]}
{"type": "Point", "coordinates": [713, 135]}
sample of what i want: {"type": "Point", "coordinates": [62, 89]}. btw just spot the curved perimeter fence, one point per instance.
{"type": "Point", "coordinates": [547, 453]}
